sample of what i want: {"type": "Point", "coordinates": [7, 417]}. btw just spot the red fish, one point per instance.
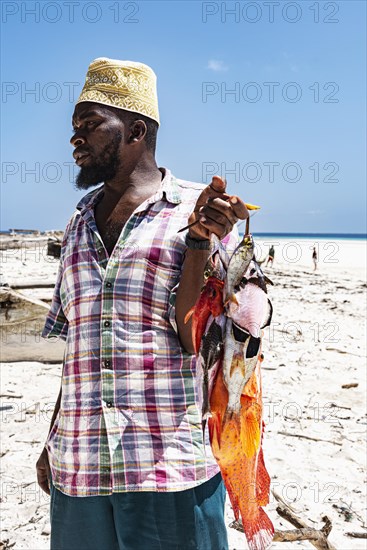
{"type": "Point", "coordinates": [209, 303]}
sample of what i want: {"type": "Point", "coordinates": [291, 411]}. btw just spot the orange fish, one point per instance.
{"type": "Point", "coordinates": [240, 458]}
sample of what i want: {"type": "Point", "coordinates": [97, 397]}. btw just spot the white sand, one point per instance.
{"type": "Point", "coordinates": [315, 345]}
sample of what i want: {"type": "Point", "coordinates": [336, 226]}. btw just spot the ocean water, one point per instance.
{"type": "Point", "coordinates": [316, 236]}
{"type": "Point", "coordinates": [340, 252]}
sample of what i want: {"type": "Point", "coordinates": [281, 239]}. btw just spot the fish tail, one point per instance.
{"type": "Point", "coordinates": [250, 433]}
{"type": "Point", "coordinates": [259, 531]}
{"type": "Point", "coordinates": [262, 481]}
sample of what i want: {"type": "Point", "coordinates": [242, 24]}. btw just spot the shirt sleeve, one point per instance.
{"type": "Point", "coordinates": [230, 242]}
{"type": "Point", "coordinates": [56, 324]}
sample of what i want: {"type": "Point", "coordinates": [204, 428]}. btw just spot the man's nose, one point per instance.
{"type": "Point", "coordinates": [77, 139]}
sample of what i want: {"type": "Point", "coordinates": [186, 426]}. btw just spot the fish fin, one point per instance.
{"type": "Point", "coordinates": [268, 281]}
{"type": "Point", "coordinates": [259, 530]}
{"type": "Point", "coordinates": [250, 433]}
{"type": "Point", "coordinates": [205, 408]}
{"type": "Point", "coordinates": [215, 430]}
{"type": "Point", "coordinates": [233, 496]}
{"type": "Point", "coordinates": [203, 425]}
{"type": "Point", "coordinates": [234, 418]}
{"type": "Point", "coordinates": [253, 347]}
{"type": "Point", "coordinates": [251, 388]}
{"type": "Point", "coordinates": [262, 481]}
{"type": "Point", "coordinates": [189, 315]}
{"type": "Point", "coordinates": [231, 298]}
{"type": "Point", "coordinates": [270, 315]}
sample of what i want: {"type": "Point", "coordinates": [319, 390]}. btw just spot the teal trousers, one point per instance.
{"type": "Point", "coordinates": [184, 520]}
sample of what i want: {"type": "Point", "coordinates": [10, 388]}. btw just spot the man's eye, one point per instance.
{"type": "Point", "coordinates": [90, 123]}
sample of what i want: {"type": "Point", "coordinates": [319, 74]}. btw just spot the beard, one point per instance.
{"type": "Point", "coordinates": [104, 168]}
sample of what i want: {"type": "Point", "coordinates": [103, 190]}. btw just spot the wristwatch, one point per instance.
{"type": "Point", "coordinates": [196, 244]}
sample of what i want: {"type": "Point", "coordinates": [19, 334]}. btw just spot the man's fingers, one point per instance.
{"type": "Point", "coordinates": [221, 211]}
{"type": "Point", "coordinates": [220, 208]}
{"type": "Point", "coordinates": [42, 480]}
{"type": "Point", "coordinates": [239, 207]}
{"type": "Point", "coordinates": [218, 184]}
{"type": "Point", "coordinates": [214, 227]}
{"type": "Point", "coordinates": [43, 472]}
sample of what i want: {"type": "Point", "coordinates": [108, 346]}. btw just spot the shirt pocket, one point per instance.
{"type": "Point", "coordinates": [163, 275]}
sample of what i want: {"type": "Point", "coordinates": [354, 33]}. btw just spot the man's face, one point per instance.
{"type": "Point", "coordinates": [98, 133]}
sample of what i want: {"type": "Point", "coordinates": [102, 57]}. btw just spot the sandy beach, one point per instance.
{"type": "Point", "coordinates": [314, 444]}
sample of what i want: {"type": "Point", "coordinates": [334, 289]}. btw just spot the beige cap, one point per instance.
{"type": "Point", "coordinates": [122, 84]}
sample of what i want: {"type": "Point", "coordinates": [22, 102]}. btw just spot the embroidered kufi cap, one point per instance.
{"type": "Point", "coordinates": [122, 84]}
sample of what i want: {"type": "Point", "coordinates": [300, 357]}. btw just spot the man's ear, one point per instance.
{"type": "Point", "coordinates": [138, 130]}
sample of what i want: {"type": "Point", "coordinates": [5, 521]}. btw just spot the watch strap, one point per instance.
{"type": "Point", "coordinates": [196, 244]}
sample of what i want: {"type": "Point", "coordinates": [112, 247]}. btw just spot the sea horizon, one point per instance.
{"type": "Point", "coordinates": [278, 235]}
{"type": "Point", "coordinates": [338, 236]}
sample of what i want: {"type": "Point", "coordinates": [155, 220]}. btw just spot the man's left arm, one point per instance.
{"type": "Point", "coordinates": [216, 212]}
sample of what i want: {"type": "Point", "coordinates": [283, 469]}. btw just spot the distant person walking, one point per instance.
{"type": "Point", "coordinates": [314, 258]}
{"type": "Point", "coordinates": [270, 256]}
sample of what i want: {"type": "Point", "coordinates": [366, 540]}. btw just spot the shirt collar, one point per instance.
{"type": "Point", "coordinates": [169, 191]}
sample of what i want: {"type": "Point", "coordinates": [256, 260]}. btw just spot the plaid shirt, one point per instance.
{"type": "Point", "coordinates": [129, 418]}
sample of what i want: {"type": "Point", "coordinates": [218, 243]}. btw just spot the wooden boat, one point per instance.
{"type": "Point", "coordinates": [21, 322]}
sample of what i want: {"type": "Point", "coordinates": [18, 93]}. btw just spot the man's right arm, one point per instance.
{"type": "Point", "coordinates": [42, 465]}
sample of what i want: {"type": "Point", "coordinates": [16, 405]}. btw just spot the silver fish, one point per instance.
{"type": "Point", "coordinates": [210, 356]}
{"type": "Point", "coordinates": [238, 265]}
{"type": "Point", "coordinates": [240, 358]}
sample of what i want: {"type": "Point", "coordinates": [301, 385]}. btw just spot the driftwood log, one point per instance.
{"type": "Point", "coordinates": [36, 284]}
{"type": "Point", "coordinates": [22, 319]}
{"type": "Point", "coordinates": [309, 437]}
{"type": "Point", "coordinates": [357, 535]}
{"type": "Point", "coordinates": [317, 537]}
{"type": "Point", "coordinates": [16, 308]}
{"type": "Point", "coordinates": [54, 248]}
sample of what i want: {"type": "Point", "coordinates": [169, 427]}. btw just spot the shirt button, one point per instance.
{"type": "Point", "coordinates": [109, 404]}
{"type": "Point", "coordinates": [107, 323]}
{"type": "Point", "coordinates": [108, 284]}
{"type": "Point", "coordinates": [100, 251]}
{"type": "Point", "coordinates": [107, 364]}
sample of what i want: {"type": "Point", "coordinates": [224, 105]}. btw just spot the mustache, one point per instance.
{"type": "Point", "coordinates": [104, 166]}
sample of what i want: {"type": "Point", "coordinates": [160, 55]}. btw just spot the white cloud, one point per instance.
{"type": "Point", "coordinates": [315, 212]}
{"type": "Point", "coordinates": [216, 65]}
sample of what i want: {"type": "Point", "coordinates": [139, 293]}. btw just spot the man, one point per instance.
{"type": "Point", "coordinates": [314, 258]}
{"type": "Point", "coordinates": [270, 256]}
{"type": "Point", "coordinates": [125, 458]}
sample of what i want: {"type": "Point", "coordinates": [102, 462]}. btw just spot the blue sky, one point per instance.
{"type": "Point", "coordinates": [290, 136]}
